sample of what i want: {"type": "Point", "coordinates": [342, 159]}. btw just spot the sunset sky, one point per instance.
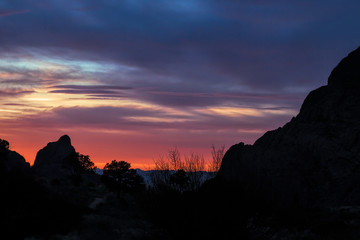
{"type": "Point", "coordinates": [129, 79]}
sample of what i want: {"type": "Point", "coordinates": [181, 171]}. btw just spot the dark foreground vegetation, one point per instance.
{"type": "Point", "coordinates": [80, 204]}
{"type": "Point", "coordinates": [219, 210]}
{"type": "Point", "coordinates": [67, 200]}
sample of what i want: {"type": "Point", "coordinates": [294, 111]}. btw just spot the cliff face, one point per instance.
{"type": "Point", "coordinates": [315, 158]}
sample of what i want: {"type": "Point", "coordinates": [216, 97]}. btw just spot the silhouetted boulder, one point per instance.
{"type": "Point", "coordinates": [14, 162]}
{"type": "Point", "coordinates": [11, 161]}
{"type": "Point", "coordinates": [52, 159]}
{"type": "Point", "coordinates": [314, 160]}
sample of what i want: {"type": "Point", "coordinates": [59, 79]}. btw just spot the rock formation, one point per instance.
{"type": "Point", "coordinates": [14, 162]}
{"type": "Point", "coordinates": [314, 160]}
{"type": "Point", "coordinates": [11, 161]}
{"type": "Point", "coordinates": [51, 160]}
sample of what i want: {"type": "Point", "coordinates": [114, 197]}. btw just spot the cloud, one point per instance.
{"type": "Point", "coordinates": [13, 93]}
{"type": "Point", "coordinates": [6, 12]}
{"type": "Point", "coordinates": [250, 45]}
{"type": "Point", "coordinates": [92, 90]}
{"type": "Point", "coordinates": [29, 71]}
{"type": "Point", "coordinates": [128, 118]}
{"type": "Point", "coordinates": [92, 87]}
{"type": "Point", "coordinates": [196, 99]}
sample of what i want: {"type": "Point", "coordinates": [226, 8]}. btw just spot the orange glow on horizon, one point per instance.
{"type": "Point", "coordinates": [139, 151]}
{"type": "Point", "coordinates": [143, 164]}
{"type": "Point", "coordinates": [44, 98]}
{"type": "Point", "coordinates": [140, 163]}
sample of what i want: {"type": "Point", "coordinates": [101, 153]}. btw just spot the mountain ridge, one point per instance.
{"type": "Point", "coordinates": [313, 160]}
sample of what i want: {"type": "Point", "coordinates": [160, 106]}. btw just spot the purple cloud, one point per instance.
{"type": "Point", "coordinates": [91, 87]}
{"type": "Point", "coordinates": [6, 12]}
{"type": "Point", "coordinates": [93, 90]}
{"type": "Point", "coordinates": [146, 121]}
{"type": "Point", "coordinates": [13, 92]}
{"type": "Point", "coordinates": [252, 45]}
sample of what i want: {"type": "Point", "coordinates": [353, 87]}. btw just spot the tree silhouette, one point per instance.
{"type": "Point", "coordinates": [179, 180]}
{"type": "Point", "coordinates": [4, 149]}
{"type": "Point", "coordinates": [171, 172]}
{"type": "Point", "coordinates": [117, 170]}
{"type": "Point", "coordinates": [4, 144]}
{"type": "Point", "coordinates": [217, 155]}
{"type": "Point", "coordinates": [195, 167]}
{"type": "Point", "coordinates": [84, 163]}
{"type": "Point", "coordinates": [174, 159]}
{"type": "Point", "coordinates": [119, 176]}
{"type": "Point", "coordinates": [80, 163]}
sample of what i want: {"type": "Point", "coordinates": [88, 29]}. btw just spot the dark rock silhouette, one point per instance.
{"type": "Point", "coordinates": [14, 162]}
{"type": "Point", "coordinates": [52, 159]}
{"type": "Point", "coordinates": [11, 161]}
{"type": "Point", "coordinates": [314, 160]}
{"type": "Point", "coordinates": [347, 73]}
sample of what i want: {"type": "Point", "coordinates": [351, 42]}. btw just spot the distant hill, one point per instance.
{"type": "Point", "coordinates": [314, 160]}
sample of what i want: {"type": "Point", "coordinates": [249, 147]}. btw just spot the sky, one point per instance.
{"type": "Point", "coordinates": [131, 79]}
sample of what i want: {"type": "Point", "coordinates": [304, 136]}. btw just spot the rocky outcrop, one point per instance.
{"type": "Point", "coordinates": [347, 73]}
{"type": "Point", "coordinates": [52, 159]}
{"type": "Point", "coordinates": [14, 162]}
{"type": "Point", "coordinates": [314, 160]}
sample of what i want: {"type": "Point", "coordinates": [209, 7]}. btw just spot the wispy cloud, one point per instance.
{"type": "Point", "coordinates": [7, 12]}
{"type": "Point", "coordinates": [92, 87]}
{"type": "Point", "coordinates": [92, 90]}
{"type": "Point", "coordinates": [147, 120]}
{"type": "Point", "coordinates": [13, 93]}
